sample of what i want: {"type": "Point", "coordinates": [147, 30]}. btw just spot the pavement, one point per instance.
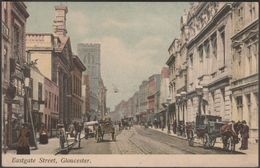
{"type": "Point", "coordinates": [53, 146]}
{"type": "Point", "coordinates": [252, 147]}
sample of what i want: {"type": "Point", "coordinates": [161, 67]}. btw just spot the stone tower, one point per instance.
{"type": "Point", "coordinates": [59, 24]}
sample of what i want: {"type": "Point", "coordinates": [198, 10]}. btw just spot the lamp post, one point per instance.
{"type": "Point", "coordinates": [178, 111]}
{"type": "Point", "coordinates": [168, 100]}
{"type": "Point", "coordinates": [199, 93]}
{"type": "Point", "coordinates": [28, 109]}
{"type": "Point", "coordinates": [183, 94]}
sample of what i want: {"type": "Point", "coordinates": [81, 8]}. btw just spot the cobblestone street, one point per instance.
{"type": "Point", "coordinates": [140, 140]}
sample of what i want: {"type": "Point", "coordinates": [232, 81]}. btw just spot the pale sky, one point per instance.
{"type": "Point", "coordinates": [134, 37]}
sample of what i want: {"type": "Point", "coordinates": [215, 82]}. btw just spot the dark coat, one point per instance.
{"type": "Point", "coordinates": [23, 146]}
{"type": "Point", "coordinates": [245, 131]}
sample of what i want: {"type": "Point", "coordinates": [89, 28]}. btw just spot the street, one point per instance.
{"type": "Point", "coordinates": [140, 140]}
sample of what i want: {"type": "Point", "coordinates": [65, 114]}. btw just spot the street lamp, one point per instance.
{"type": "Point", "coordinates": [199, 93]}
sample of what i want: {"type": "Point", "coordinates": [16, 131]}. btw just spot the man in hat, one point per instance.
{"type": "Point", "coordinates": [244, 135]}
{"type": "Point", "coordinates": [23, 146]}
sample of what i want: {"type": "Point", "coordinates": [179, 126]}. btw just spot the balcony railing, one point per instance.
{"type": "Point", "coordinates": [5, 30]}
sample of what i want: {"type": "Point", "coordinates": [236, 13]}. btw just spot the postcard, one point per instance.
{"type": "Point", "coordinates": [129, 84]}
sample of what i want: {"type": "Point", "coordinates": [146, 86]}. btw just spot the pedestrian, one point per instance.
{"type": "Point", "coordinates": [23, 146]}
{"type": "Point", "coordinates": [174, 126]}
{"type": "Point", "coordinates": [86, 132]}
{"type": "Point", "coordinates": [61, 135]}
{"type": "Point", "coordinates": [162, 125]}
{"type": "Point", "coordinates": [244, 135]}
{"type": "Point", "coordinates": [43, 134]}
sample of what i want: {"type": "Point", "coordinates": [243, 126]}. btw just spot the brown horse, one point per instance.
{"type": "Point", "coordinates": [229, 133]}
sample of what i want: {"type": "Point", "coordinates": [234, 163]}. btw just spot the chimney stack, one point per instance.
{"type": "Point", "coordinates": [59, 23]}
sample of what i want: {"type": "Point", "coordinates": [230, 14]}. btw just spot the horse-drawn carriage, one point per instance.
{"type": "Point", "coordinates": [209, 128]}
{"type": "Point", "coordinates": [126, 123]}
{"type": "Point", "coordinates": [105, 127]}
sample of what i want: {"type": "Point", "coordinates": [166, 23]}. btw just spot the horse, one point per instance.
{"type": "Point", "coordinates": [229, 133]}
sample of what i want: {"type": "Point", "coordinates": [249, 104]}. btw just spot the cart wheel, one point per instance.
{"type": "Point", "coordinates": [212, 142]}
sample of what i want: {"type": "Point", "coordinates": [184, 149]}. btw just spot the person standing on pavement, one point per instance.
{"type": "Point", "coordinates": [244, 135]}
{"type": "Point", "coordinates": [43, 134]}
{"type": "Point", "coordinates": [61, 135]}
{"type": "Point", "coordinates": [23, 146]}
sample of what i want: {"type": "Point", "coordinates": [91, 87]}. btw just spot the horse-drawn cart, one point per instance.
{"type": "Point", "coordinates": [209, 128]}
{"type": "Point", "coordinates": [105, 127]}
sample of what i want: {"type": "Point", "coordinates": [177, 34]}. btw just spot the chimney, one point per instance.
{"type": "Point", "coordinates": [59, 23]}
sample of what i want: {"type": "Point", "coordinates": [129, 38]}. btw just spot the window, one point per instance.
{"type": "Point", "coordinates": [57, 103]}
{"type": "Point", "coordinates": [249, 59]}
{"type": "Point", "coordinates": [206, 48]}
{"type": "Point", "coordinates": [39, 91]}
{"type": "Point", "coordinates": [214, 45]}
{"type": "Point", "coordinates": [252, 10]}
{"type": "Point", "coordinates": [49, 106]}
{"type": "Point", "coordinates": [17, 42]}
{"type": "Point", "coordinates": [239, 102]}
{"type": "Point", "coordinates": [5, 62]}
{"type": "Point", "coordinates": [240, 17]}
{"type": "Point", "coordinates": [191, 60]}
{"type": "Point", "coordinates": [222, 35]}
{"type": "Point", "coordinates": [200, 51]}
{"type": "Point", "coordinates": [5, 11]}
{"type": "Point", "coordinates": [46, 98]}
{"type": "Point", "coordinates": [255, 53]}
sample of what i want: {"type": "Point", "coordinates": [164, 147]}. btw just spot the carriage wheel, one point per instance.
{"type": "Point", "coordinates": [206, 140]}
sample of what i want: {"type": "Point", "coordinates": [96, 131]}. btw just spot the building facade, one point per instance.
{"type": "Point", "coordinates": [37, 94]}
{"type": "Point", "coordinates": [54, 59]}
{"type": "Point", "coordinates": [51, 106]}
{"type": "Point", "coordinates": [214, 64]}
{"type": "Point", "coordinates": [77, 99]}
{"type": "Point", "coordinates": [14, 16]}
{"type": "Point", "coordinates": [245, 58]}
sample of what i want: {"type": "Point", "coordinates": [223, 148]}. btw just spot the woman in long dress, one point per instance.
{"type": "Point", "coordinates": [23, 146]}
